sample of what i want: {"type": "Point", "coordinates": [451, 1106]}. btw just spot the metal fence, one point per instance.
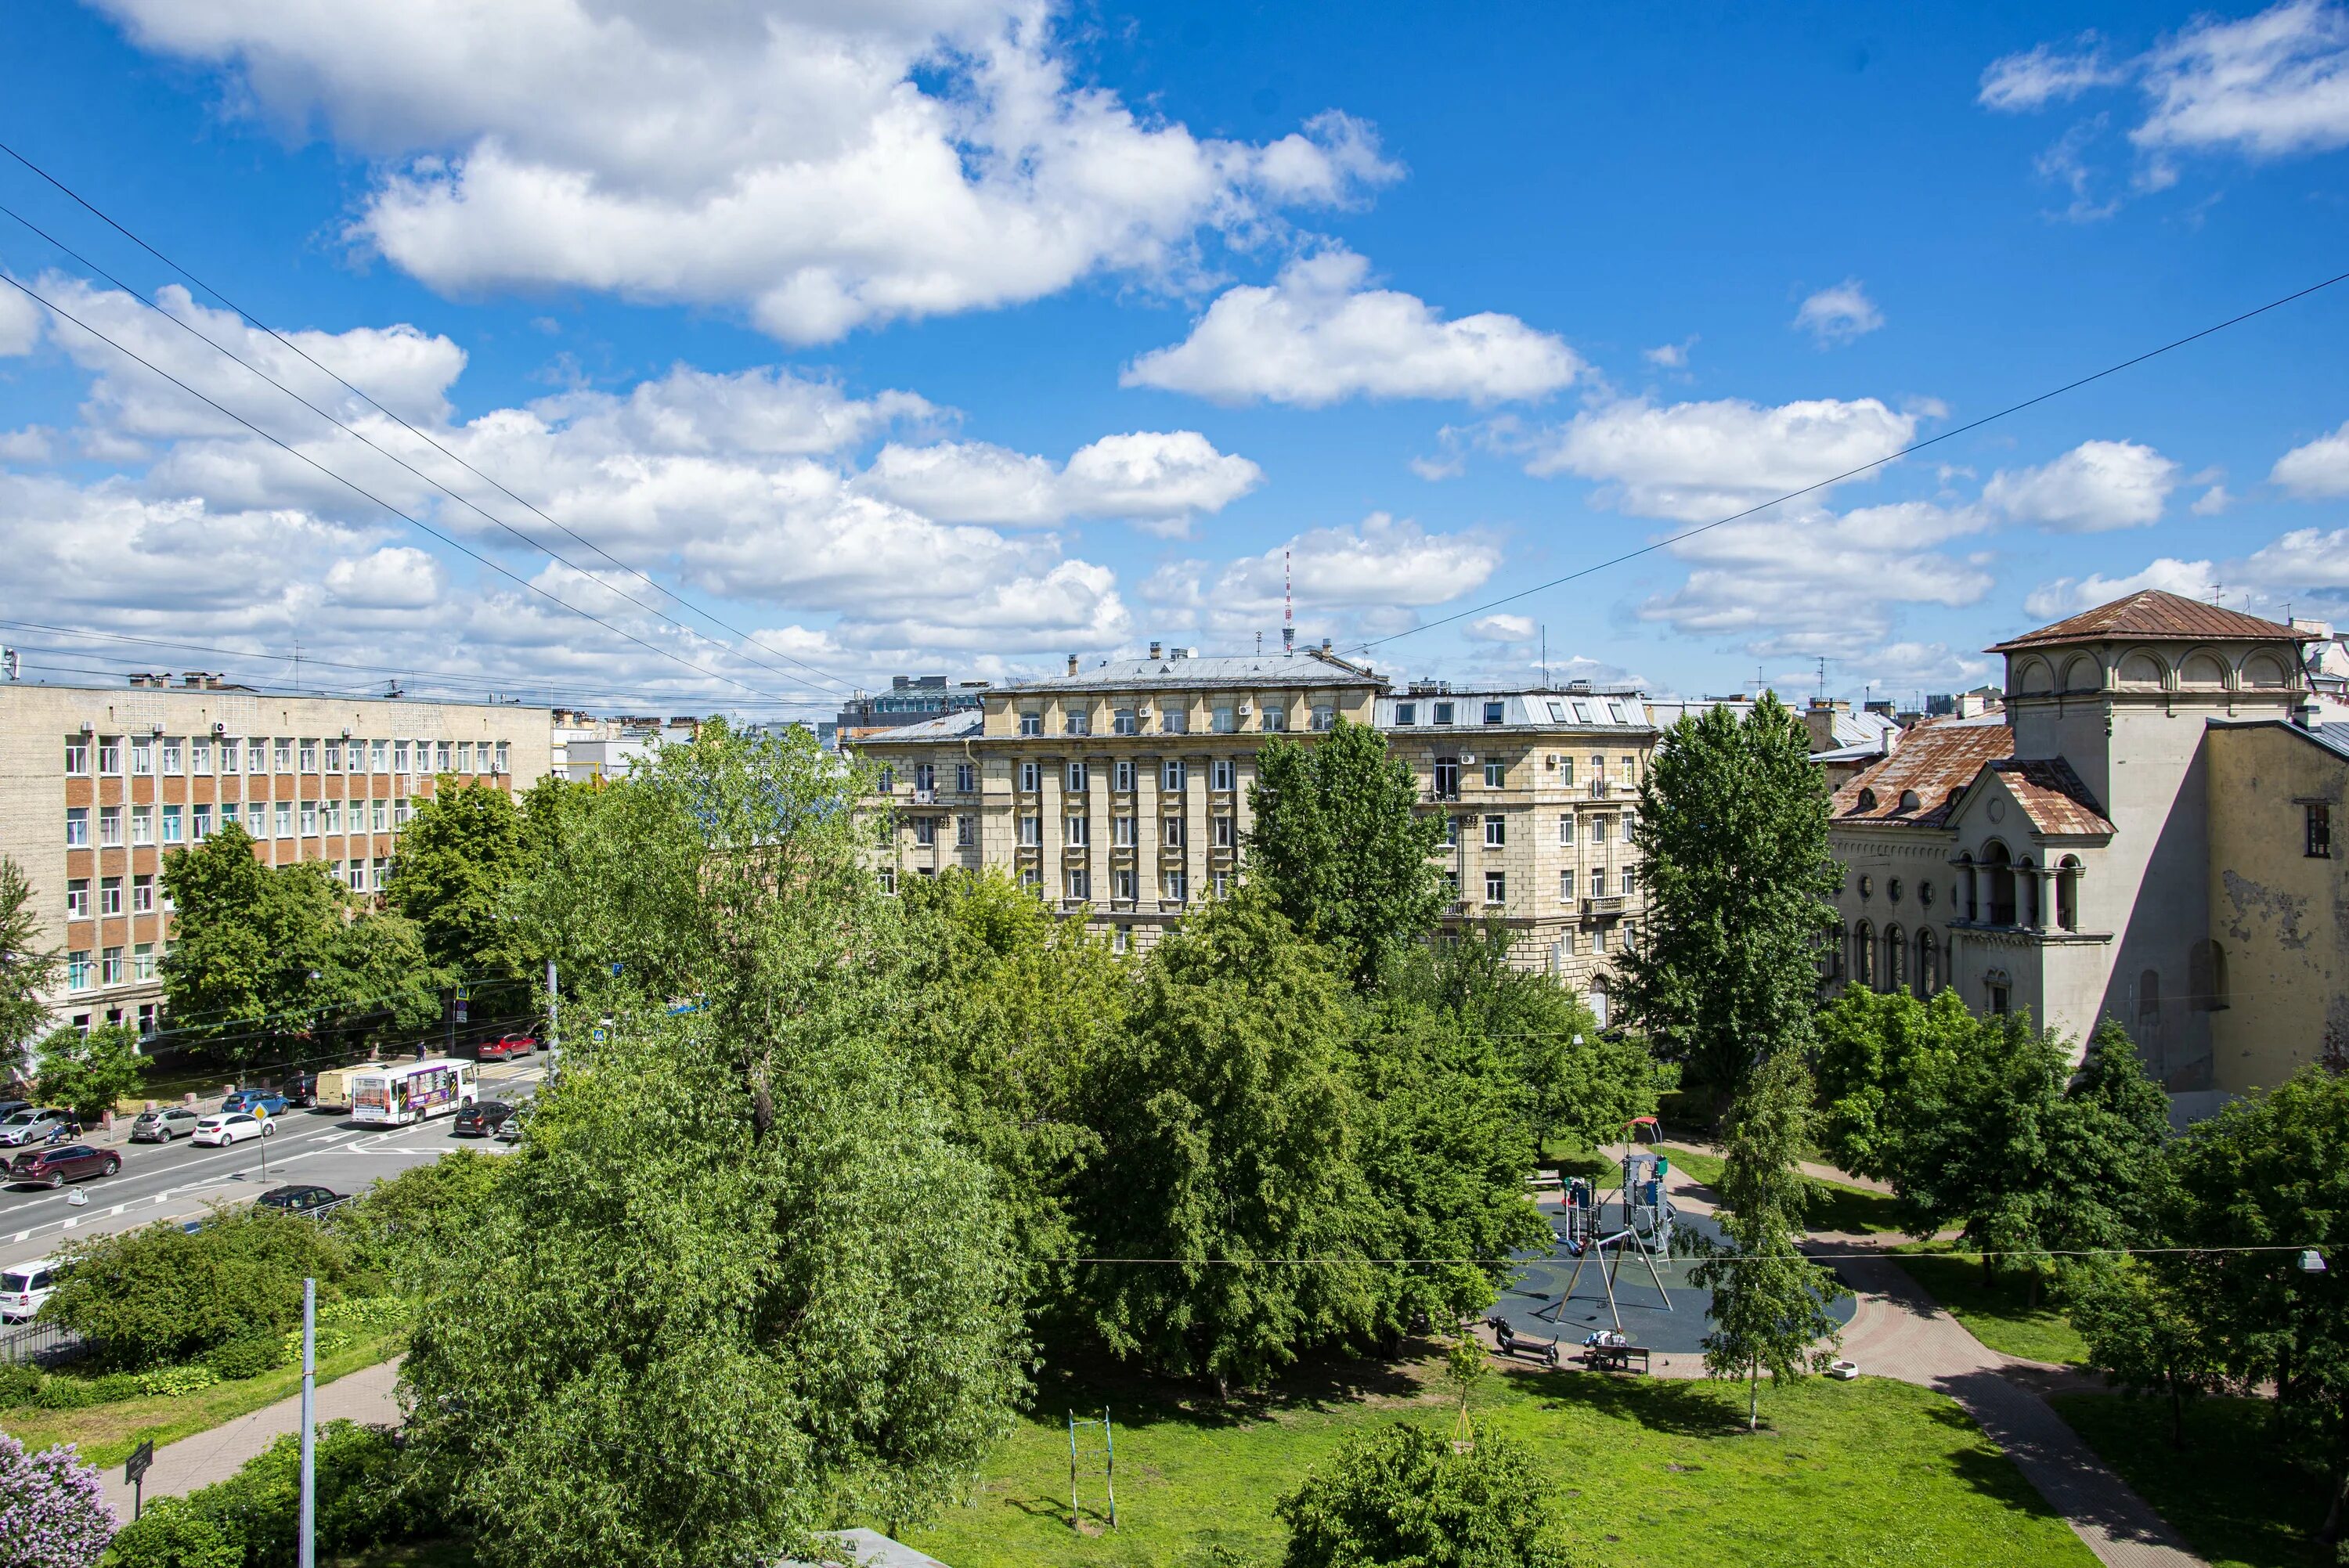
{"type": "Point", "coordinates": [39, 1343]}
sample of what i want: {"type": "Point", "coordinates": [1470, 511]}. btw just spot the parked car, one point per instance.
{"type": "Point", "coordinates": [226, 1127]}
{"type": "Point", "coordinates": [163, 1125]}
{"type": "Point", "coordinates": [482, 1117]}
{"type": "Point", "coordinates": [30, 1126]}
{"type": "Point", "coordinates": [505, 1048]}
{"type": "Point", "coordinates": [301, 1091]}
{"type": "Point", "coordinates": [9, 1107]}
{"type": "Point", "coordinates": [300, 1200]}
{"type": "Point", "coordinates": [24, 1287]}
{"type": "Point", "coordinates": [509, 1130]}
{"type": "Point", "coordinates": [64, 1163]}
{"type": "Point", "coordinates": [260, 1102]}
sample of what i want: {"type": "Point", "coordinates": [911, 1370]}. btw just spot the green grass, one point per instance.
{"type": "Point", "coordinates": [1996, 1312]}
{"type": "Point", "coordinates": [1873, 1473]}
{"type": "Point", "coordinates": [2233, 1496]}
{"type": "Point", "coordinates": [107, 1433]}
{"type": "Point", "coordinates": [1833, 1205]}
{"type": "Point", "coordinates": [411, 1554]}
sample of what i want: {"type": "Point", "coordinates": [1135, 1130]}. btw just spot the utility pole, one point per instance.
{"type": "Point", "coordinates": [309, 1542]}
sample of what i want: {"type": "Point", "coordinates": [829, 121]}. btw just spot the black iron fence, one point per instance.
{"type": "Point", "coordinates": [39, 1343]}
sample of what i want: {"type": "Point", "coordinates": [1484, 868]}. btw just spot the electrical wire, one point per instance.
{"type": "Point", "coordinates": [1913, 448]}
{"type": "Point", "coordinates": [260, 326]}
{"type": "Point", "coordinates": [358, 489]}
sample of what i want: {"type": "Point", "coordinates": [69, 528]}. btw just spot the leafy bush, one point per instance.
{"type": "Point", "coordinates": [248, 1355]}
{"type": "Point", "coordinates": [159, 1295]}
{"type": "Point", "coordinates": [399, 1226]}
{"type": "Point", "coordinates": [170, 1382]}
{"type": "Point", "coordinates": [365, 1314]}
{"type": "Point", "coordinates": [367, 1497]}
{"type": "Point", "coordinates": [53, 1511]}
{"type": "Point", "coordinates": [19, 1384]}
{"type": "Point", "coordinates": [1402, 1496]}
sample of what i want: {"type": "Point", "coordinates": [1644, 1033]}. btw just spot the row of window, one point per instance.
{"type": "Point", "coordinates": [82, 973]}
{"type": "Point", "coordinates": [1496, 830]}
{"type": "Point", "coordinates": [1173, 721]}
{"type": "Point", "coordinates": [359, 876]}
{"type": "Point", "coordinates": [313, 818]}
{"type": "Point", "coordinates": [1077, 882]}
{"type": "Point", "coordinates": [200, 757]}
{"type": "Point", "coordinates": [110, 892]}
{"type": "Point", "coordinates": [1497, 774]}
{"type": "Point", "coordinates": [1583, 710]}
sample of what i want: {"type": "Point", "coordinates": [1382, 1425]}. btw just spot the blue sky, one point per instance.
{"type": "Point", "coordinates": [958, 335]}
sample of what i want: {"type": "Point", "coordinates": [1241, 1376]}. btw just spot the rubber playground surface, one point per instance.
{"type": "Point", "coordinates": [1536, 1305]}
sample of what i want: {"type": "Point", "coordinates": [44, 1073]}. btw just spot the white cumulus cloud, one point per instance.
{"type": "Point", "coordinates": [2267, 85]}
{"type": "Point", "coordinates": [2048, 74]}
{"type": "Point", "coordinates": [1692, 462]}
{"type": "Point", "coordinates": [2095, 486]}
{"type": "Point", "coordinates": [1154, 476]}
{"type": "Point", "coordinates": [2070, 596]}
{"type": "Point", "coordinates": [1318, 335]}
{"type": "Point", "coordinates": [1840, 313]}
{"type": "Point", "coordinates": [2318, 470]}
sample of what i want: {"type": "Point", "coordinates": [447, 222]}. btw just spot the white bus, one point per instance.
{"type": "Point", "coordinates": [412, 1091]}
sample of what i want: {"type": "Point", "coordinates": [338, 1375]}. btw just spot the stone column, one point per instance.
{"type": "Point", "coordinates": [1148, 837]}
{"type": "Point", "coordinates": [1097, 782]}
{"type": "Point", "coordinates": [1194, 828]}
{"type": "Point", "coordinates": [1049, 832]}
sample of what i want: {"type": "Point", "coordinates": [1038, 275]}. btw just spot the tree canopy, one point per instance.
{"type": "Point", "coordinates": [28, 969]}
{"type": "Point", "coordinates": [1400, 1497]}
{"type": "Point", "coordinates": [88, 1073]}
{"type": "Point", "coordinates": [462, 853]}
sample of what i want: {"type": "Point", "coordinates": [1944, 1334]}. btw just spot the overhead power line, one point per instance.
{"type": "Point", "coordinates": [260, 326]}
{"type": "Point", "coordinates": [366, 494]}
{"type": "Point", "coordinates": [1913, 448]}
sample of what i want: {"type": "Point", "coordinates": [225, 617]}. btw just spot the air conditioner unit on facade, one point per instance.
{"type": "Point", "coordinates": [1553, 761]}
{"type": "Point", "coordinates": [1245, 708]}
{"type": "Point", "coordinates": [219, 729]}
{"type": "Point", "coordinates": [1467, 759]}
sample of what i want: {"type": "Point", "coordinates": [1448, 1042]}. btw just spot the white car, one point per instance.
{"type": "Point", "coordinates": [24, 1286]}
{"type": "Point", "coordinates": [225, 1126]}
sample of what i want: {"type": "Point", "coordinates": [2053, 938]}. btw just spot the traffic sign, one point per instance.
{"type": "Point", "coordinates": [596, 1033]}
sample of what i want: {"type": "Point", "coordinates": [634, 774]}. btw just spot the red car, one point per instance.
{"type": "Point", "coordinates": [506, 1046]}
{"type": "Point", "coordinates": [56, 1166]}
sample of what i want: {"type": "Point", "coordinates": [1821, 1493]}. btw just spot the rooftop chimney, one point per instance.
{"type": "Point", "coordinates": [1157, 650]}
{"type": "Point", "coordinates": [1073, 664]}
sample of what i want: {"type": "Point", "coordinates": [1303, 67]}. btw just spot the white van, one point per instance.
{"type": "Point", "coordinates": [24, 1287]}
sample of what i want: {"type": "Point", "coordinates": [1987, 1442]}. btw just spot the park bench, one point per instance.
{"type": "Point", "coordinates": [1512, 1343]}
{"type": "Point", "coordinates": [1614, 1357]}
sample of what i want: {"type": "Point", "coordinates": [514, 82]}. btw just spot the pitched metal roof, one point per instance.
{"type": "Point", "coordinates": [2052, 796]}
{"type": "Point", "coordinates": [1939, 758]}
{"type": "Point", "coordinates": [945, 727]}
{"type": "Point", "coordinates": [1306, 667]}
{"type": "Point", "coordinates": [2153, 616]}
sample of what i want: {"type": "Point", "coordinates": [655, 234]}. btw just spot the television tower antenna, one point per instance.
{"type": "Point", "coordinates": [1288, 609]}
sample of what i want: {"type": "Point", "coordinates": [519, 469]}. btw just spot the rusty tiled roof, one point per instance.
{"type": "Point", "coordinates": [2154, 616]}
{"type": "Point", "coordinates": [2052, 796]}
{"type": "Point", "coordinates": [1938, 759]}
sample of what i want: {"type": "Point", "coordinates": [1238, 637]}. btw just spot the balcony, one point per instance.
{"type": "Point", "coordinates": [1605, 903]}
{"type": "Point", "coordinates": [1600, 789]}
{"type": "Point", "coordinates": [924, 796]}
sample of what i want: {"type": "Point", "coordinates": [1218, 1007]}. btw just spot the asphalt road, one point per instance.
{"type": "Point", "coordinates": [176, 1179]}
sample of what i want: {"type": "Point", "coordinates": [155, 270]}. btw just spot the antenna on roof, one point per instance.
{"type": "Point", "coordinates": [1822, 677]}
{"type": "Point", "coordinates": [1287, 610]}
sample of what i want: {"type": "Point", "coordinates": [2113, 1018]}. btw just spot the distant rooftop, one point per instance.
{"type": "Point", "coordinates": [2153, 616]}
{"type": "Point", "coordinates": [1181, 669]}
{"type": "Point", "coordinates": [1620, 708]}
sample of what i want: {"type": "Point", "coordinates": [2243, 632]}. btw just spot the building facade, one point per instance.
{"type": "Point", "coordinates": [2148, 818]}
{"type": "Point", "coordinates": [910, 700]}
{"type": "Point", "coordinates": [98, 784]}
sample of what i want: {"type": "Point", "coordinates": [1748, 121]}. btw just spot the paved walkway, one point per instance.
{"type": "Point", "coordinates": [1900, 1331]}
{"type": "Point", "coordinates": [181, 1467]}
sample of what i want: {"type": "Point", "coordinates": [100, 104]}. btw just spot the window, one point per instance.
{"type": "Point", "coordinates": [888, 882]}
{"type": "Point", "coordinates": [379, 811]}
{"type": "Point", "coordinates": [382, 872]}
{"type": "Point", "coordinates": [286, 819]}
{"type": "Point", "coordinates": [1324, 715]}
{"type": "Point", "coordinates": [1443, 713]}
{"type": "Point", "coordinates": [1224, 832]}
{"type": "Point", "coordinates": [285, 757]}
{"type": "Point", "coordinates": [1031, 722]}
{"type": "Point", "coordinates": [965, 777]}
{"type": "Point", "coordinates": [1566, 771]}
{"type": "Point", "coordinates": [1275, 718]}
{"type": "Point", "coordinates": [1031, 832]}
{"type": "Point", "coordinates": [399, 757]}
{"type": "Point", "coordinates": [1565, 885]}
{"type": "Point", "coordinates": [256, 756]}
{"type": "Point", "coordinates": [1452, 886]}
{"type": "Point", "coordinates": [465, 756]}
{"type": "Point", "coordinates": [1031, 879]}
{"type": "Point", "coordinates": [143, 967]}
{"type": "Point", "coordinates": [2320, 829]}
{"type": "Point", "coordinates": [887, 780]}
{"type": "Point", "coordinates": [1494, 711]}
{"type": "Point", "coordinates": [1496, 775]}
{"type": "Point", "coordinates": [171, 824]}
{"type": "Point", "coordinates": [1599, 826]}
{"type": "Point", "coordinates": [1121, 885]}
{"type": "Point", "coordinates": [1122, 722]}
{"type": "Point", "coordinates": [1628, 882]}
{"type": "Point", "coordinates": [1081, 831]}
{"type": "Point", "coordinates": [926, 777]}
{"type": "Point", "coordinates": [1452, 832]}
{"type": "Point", "coordinates": [77, 827]}
{"type": "Point", "coordinates": [1598, 771]}
{"type": "Point", "coordinates": [1078, 778]}
{"type": "Point", "coordinates": [76, 755]}
{"type": "Point", "coordinates": [228, 813]}
{"type": "Point", "coordinates": [1077, 722]}
{"type": "Point", "coordinates": [110, 895]}
{"type": "Point", "coordinates": [502, 762]}
{"type": "Point", "coordinates": [441, 757]}
{"type": "Point", "coordinates": [1599, 940]}
{"type": "Point", "coordinates": [334, 756]}
{"type": "Point", "coordinates": [1566, 827]}
{"type": "Point", "coordinates": [1496, 831]}
{"type": "Point", "coordinates": [1122, 779]}
{"type": "Point", "coordinates": [1174, 886]}
{"type": "Point", "coordinates": [1497, 887]}
{"type": "Point", "coordinates": [1221, 883]}
{"type": "Point", "coordinates": [1629, 764]}
{"type": "Point", "coordinates": [172, 748]}
{"type": "Point", "coordinates": [1173, 831]}
{"type": "Point", "coordinates": [1121, 832]}
{"type": "Point", "coordinates": [78, 898]}
{"type": "Point", "coordinates": [926, 830]}
{"type": "Point", "coordinates": [309, 818]}
{"type": "Point", "coordinates": [142, 756]}
{"type": "Point", "coordinates": [1224, 721]}
{"type": "Point", "coordinates": [1406, 714]}
{"type": "Point", "coordinates": [142, 824]}
{"type": "Point", "coordinates": [1032, 778]}
{"type": "Point", "coordinates": [1631, 932]}
{"type": "Point", "coordinates": [1121, 938]}
{"type": "Point", "coordinates": [201, 827]}
{"type": "Point", "coordinates": [1448, 779]}
{"type": "Point", "coordinates": [965, 831]}
{"type": "Point", "coordinates": [77, 970]}
{"type": "Point", "coordinates": [1081, 882]}
{"type": "Point", "coordinates": [1176, 775]}
{"type": "Point", "coordinates": [310, 756]}
{"type": "Point", "coordinates": [330, 816]}
{"type": "Point", "coordinates": [110, 755]}
{"type": "Point", "coordinates": [1175, 720]}
{"type": "Point", "coordinates": [109, 967]}
{"type": "Point", "coordinates": [1566, 945]}
{"type": "Point", "coordinates": [1223, 775]}
{"type": "Point", "coordinates": [110, 826]}
{"type": "Point", "coordinates": [400, 813]}
{"type": "Point", "coordinates": [1628, 820]}
{"type": "Point", "coordinates": [142, 895]}
{"type": "Point", "coordinates": [378, 755]}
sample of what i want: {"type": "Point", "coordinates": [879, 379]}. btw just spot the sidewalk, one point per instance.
{"type": "Point", "coordinates": [364, 1396]}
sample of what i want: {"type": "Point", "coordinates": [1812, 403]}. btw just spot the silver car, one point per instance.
{"type": "Point", "coordinates": [164, 1125]}
{"type": "Point", "coordinates": [37, 1126]}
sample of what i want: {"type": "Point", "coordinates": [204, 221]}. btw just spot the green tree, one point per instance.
{"type": "Point", "coordinates": [1223, 1116]}
{"type": "Point", "coordinates": [1341, 848]}
{"type": "Point", "coordinates": [88, 1073]}
{"type": "Point", "coordinates": [1732, 834]}
{"type": "Point", "coordinates": [2146, 1332]}
{"type": "Point", "coordinates": [159, 1294]}
{"type": "Point", "coordinates": [28, 969]}
{"type": "Point", "coordinates": [460, 857]}
{"type": "Point", "coordinates": [1873, 1048]}
{"type": "Point", "coordinates": [1400, 1497]}
{"type": "Point", "coordinates": [1769, 1306]}
{"type": "Point", "coordinates": [402, 1228]}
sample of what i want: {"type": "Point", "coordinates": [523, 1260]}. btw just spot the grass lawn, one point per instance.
{"type": "Point", "coordinates": [1995, 1312]}
{"type": "Point", "coordinates": [1833, 1205]}
{"type": "Point", "coordinates": [107, 1433]}
{"type": "Point", "coordinates": [415, 1555]}
{"type": "Point", "coordinates": [2229, 1492]}
{"type": "Point", "coordinates": [1872, 1472]}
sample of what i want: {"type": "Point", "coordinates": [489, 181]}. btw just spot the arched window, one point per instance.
{"type": "Point", "coordinates": [1928, 962]}
{"type": "Point", "coordinates": [1863, 954]}
{"type": "Point", "coordinates": [1996, 993]}
{"type": "Point", "coordinates": [2001, 874]}
{"type": "Point", "coordinates": [2205, 977]}
{"type": "Point", "coordinates": [1895, 959]}
{"type": "Point", "coordinates": [1599, 1000]}
{"type": "Point", "coordinates": [2067, 892]}
{"type": "Point", "coordinates": [1834, 966]}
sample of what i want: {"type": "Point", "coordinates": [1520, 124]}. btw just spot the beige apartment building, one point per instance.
{"type": "Point", "coordinates": [98, 784]}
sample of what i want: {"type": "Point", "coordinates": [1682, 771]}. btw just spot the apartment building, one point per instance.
{"type": "Point", "coordinates": [1537, 790]}
{"type": "Point", "coordinates": [1122, 788]}
{"type": "Point", "coordinates": [98, 784]}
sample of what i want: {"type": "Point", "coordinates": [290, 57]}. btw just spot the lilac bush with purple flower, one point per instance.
{"type": "Point", "coordinates": [53, 1508]}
